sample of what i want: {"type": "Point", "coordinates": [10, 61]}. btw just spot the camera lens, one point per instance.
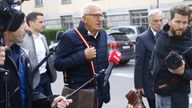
{"type": "Point", "coordinates": [173, 60]}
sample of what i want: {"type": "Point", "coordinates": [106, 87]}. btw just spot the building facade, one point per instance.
{"type": "Point", "coordinates": [66, 13]}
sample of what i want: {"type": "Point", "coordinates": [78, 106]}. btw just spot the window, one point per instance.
{"type": "Point", "coordinates": [66, 1]}
{"type": "Point", "coordinates": [66, 22]}
{"type": "Point", "coordinates": [127, 30]}
{"type": "Point", "coordinates": [104, 23]}
{"type": "Point", "coordinates": [38, 3]}
{"type": "Point", "coordinates": [119, 36]}
{"type": "Point", "coordinates": [139, 17]}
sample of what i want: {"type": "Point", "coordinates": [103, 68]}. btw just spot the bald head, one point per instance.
{"type": "Point", "coordinates": [88, 8]}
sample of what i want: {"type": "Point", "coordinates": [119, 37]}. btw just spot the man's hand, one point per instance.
{"type": "Point", "coordinates": [180, 70]}
{"type": "Point", "coordinates": [2, 54]}
{"type": "Point", "coordinates": [90, 53]}
{"type": "Point", "coordinates": [61, 102]}
{"type": "Point", "coordinates": [140, 91]}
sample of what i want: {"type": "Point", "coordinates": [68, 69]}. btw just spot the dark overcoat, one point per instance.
{"type": "Point", "coordinates": [70, 58]}
{"type": "Point", "coordinates": [142, 75]}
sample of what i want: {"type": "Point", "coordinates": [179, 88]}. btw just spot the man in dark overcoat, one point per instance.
{"type": "Point", "coordinates": [144, 46]}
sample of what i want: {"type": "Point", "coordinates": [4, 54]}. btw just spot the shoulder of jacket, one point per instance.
{"type": "Point", "coordinates": [102, 31]}
{"type": "Point", "coordinates": [69, 33]}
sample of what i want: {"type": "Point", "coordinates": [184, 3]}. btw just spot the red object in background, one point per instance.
{"type": "Point", "coordinates": [113, 45]}
{"type": "Point", "coordinates": [115, 56]}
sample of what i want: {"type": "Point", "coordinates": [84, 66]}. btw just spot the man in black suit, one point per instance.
{"type": "Point", "coordinates": [144, 45]}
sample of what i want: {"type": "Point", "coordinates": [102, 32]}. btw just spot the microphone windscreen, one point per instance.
{"type": "Point", "coordinates": [115, 56]}
{"type": "Point", "coordinates": [59, 34]}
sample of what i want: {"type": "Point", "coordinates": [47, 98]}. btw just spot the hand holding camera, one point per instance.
{"type": "Point", "coordinates": [175, 63]}
{"type": "Point", "coordinates": [180, 70]}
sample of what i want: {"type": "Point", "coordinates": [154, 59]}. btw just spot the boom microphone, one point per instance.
{"type": "Point", "coordinates": [59, 34]}
{"type": "Point", "coordinates": [114, 58]}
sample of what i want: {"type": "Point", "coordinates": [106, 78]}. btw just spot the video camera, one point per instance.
{"type": "Point", "coordinates": [12, 4]}
{"type": "Point", "coordinates": [13, 1]}
{"type": "Point", "coordinates": [174, 59]}
{"type": "Point", "coordinates": [10, 18]}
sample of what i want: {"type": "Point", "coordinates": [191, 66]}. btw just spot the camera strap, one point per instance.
{"type": "Point", "coordinates": [168, 84]}
{"type": "Point", "coordinates": [88, 46]}
{"type": "Point", "coordinates": [91, 64]}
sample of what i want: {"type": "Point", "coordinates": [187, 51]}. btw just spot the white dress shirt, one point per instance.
{"type": "Point", "coordinates": [40, 52]}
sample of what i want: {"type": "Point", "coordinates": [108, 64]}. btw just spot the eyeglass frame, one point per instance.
{"type": "Point", "coordinates": [95, 15]}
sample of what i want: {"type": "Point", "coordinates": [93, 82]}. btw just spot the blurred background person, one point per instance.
{"type": "Point", "coordinates": [35, 45]}
{"type": "Point", "coordinates": [144, 45]}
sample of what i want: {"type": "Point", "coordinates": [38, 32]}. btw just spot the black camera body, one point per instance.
{"type": "Point", "coordinates": [174, 59]}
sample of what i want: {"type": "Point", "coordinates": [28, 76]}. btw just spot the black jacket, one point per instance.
{"type": "Point", "coordinates": [34, 98]}
{"type": "Point", "coordinates": [164, 45]}
{"type": "Point", "coordinates": [70, 57]}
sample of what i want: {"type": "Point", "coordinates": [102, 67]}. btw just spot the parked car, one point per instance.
{"type": "Point", "coordinates": [131, 31]}
{"type": "Point", "coordinates": [116, 40]}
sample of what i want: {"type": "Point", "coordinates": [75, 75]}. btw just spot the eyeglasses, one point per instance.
{"type": "Point", "coordinates": [95, 15]}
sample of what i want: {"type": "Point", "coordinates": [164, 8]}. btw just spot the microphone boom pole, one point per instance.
{"type": "Point", "coordinates": [58, 36]}
{"type": "Point", "coordinates": [108, 73]}
{"type": "Point", "coordinates": [75, 91]}
{"type": "Point", "coordinates": [113, 59]}
{"type": "Point", "coordinates": [44, 59]}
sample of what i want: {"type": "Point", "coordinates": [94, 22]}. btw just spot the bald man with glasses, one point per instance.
{"type": "Point", "coordinates": [73, 57]}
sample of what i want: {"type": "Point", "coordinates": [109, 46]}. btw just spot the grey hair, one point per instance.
{"type": "Point", "coordinates": [154, 12]}
{"type": "Point", "coordinates": [86, 9]}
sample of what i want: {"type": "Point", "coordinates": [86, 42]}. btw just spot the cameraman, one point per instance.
{"type": "Point", "coordinates": [172, 73]}
{"type": "Point", "coordinates": [19, 93]}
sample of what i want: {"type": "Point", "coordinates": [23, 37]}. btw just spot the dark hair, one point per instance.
{"type": "Point", "coordinates": [32, 16]}
{"type": "Point", "coordinates": [181, 9]}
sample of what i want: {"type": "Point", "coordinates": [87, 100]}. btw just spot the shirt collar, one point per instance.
{"type": "Point", "coordinates": [154, 33]}
{"type": "Point", "coordinates": [95, 36]}
{"type": "Point", "coordinates": [37, 37]}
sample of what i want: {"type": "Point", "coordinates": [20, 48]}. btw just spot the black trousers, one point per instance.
{"type": "Point", "coordinates": [45, 85]}
{"type": "Point", "coordinates": [151, 102]}
{"type": "Point", "coordinates": [100, 106]}
{"type": "Point", "coordinates": [179, 100]}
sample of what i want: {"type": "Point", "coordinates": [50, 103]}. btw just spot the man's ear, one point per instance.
{"type": "Point", "coordinates": [30, 23]}
{"type": "Point", "coordinates": [84, 19]}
